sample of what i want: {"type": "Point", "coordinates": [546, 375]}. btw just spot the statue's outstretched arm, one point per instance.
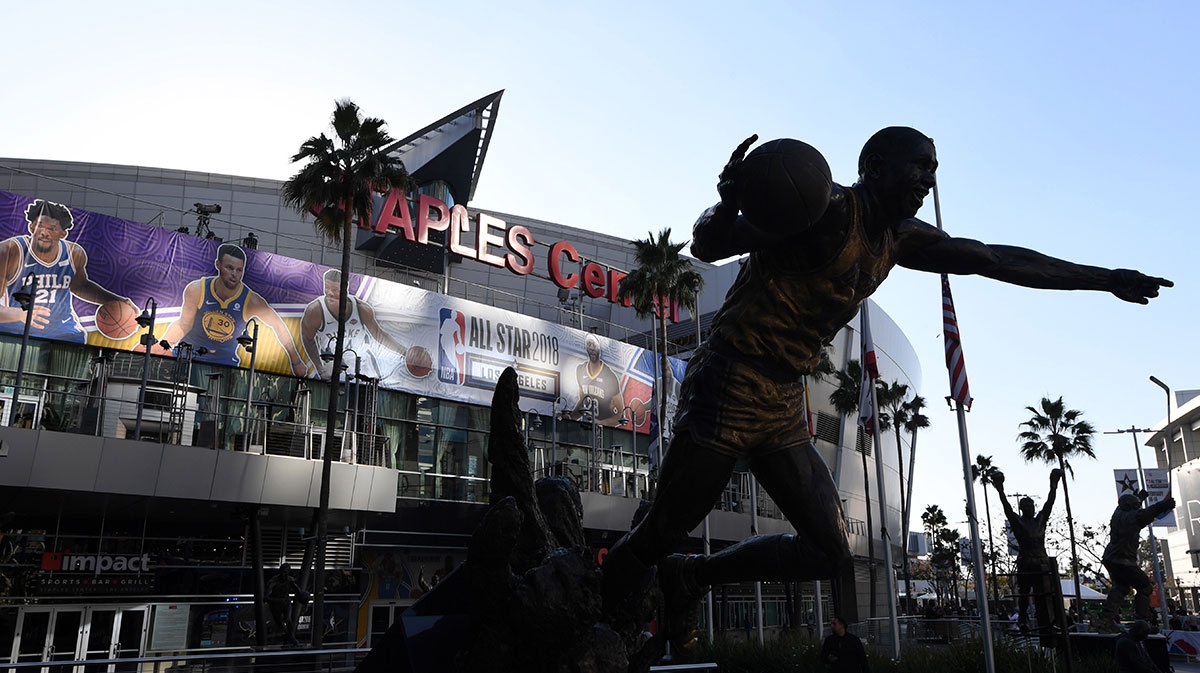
{"type": "Point", "coordinates": [998, 484]}
{"type": "Point", "coordinates": [924, 248]}
{"type": "Point", "coordinates": [1056, 476]}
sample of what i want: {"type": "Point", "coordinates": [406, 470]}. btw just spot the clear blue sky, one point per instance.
{"type": "Point", "coordinates": [1067, 127]}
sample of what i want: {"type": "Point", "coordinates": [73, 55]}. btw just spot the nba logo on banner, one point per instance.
{"type": "Point", "coordinates": [452, 343]}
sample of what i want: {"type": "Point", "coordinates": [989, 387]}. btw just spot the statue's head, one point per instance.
{"type": "Point", "coordinates": [285, 569]}
{"type": "Point", "coordinates": [1026, 506]}
{"type": "Point", "coordinates": [1129, 502]}
{"type": "Point", "coordinates": [898, 165]}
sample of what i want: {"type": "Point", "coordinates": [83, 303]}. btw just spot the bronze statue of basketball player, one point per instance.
{"type": "Point", "coordinates": [1037, 576]}
{"type": "Point", "coordinates": [742, 396]}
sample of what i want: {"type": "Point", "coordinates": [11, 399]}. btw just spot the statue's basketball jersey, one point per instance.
{"type": "Point", "coordinates": [52, 289]}
{"type": "Point", "coordinates": [358, 337]}
{"type": "Point", "coordinates": [218, 324]}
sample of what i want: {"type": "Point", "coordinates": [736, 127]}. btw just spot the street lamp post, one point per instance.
{"type": "Point", "coordinates": [351, 424]}
{"type": "Point", "coordinates": [250, 343]}
{"type": "Point", "coordinates": [146, 319]}
{"type": "Point", "coordinates": [24, 296]}
{"type": "Point", "coordinates": [628, 419]}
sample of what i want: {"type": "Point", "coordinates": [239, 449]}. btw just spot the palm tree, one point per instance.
{"type": "Point", "coordinates": [844, 399]}
{"type": "Point", "coordinates": [1053, 435]}
{"type": "Point", "coordinates": [662, 277]}
{"type": "Point", "coordinates": [983, 471]}
{"type": "Point", "coordinates": [934, 520]}
{"type": "Point", "coordinates": [335, 184]}
{"type": "Point", "coordinates": [913, 420]}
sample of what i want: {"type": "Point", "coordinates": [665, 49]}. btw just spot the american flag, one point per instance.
{"type": "Point", "coordinates": [870, 372]}
{"type": "Point", "coordinates": [959, 390]}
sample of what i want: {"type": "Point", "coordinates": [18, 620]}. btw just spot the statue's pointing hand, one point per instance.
{"type": "Point", "coordinates": [1134, 286]}
{"type": "Point", "coordinates": [727, 180]}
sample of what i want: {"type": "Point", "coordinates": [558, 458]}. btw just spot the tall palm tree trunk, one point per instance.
{"type": "Point", "coordinates": [870, 531]}
{"type": "Point", "coordinates": [318, 630]}
{"type": "Point", "coordinates": [987, 511]}
{"type": "Point", "coordinates": [662, 380]}
{"type": "Point", "coordinates": [1071, 534]}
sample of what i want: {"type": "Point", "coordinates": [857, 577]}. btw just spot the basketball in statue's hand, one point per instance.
{"type": "Point", "coordinates": [418, 361]}
{"type": "Point", "coordinates": [784, 183]}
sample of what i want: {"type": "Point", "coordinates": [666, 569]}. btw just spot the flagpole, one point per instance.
{"type": "Point", "coordinates": [981, 601]}
{"type": "Point", "coordinates": [889, 573]}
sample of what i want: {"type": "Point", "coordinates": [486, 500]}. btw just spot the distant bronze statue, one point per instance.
{"type": "Point", "coordinates": [1037, 574]}
{"type": "Point", "coordinates": [279, 599]}
{"type": "Point", "coordinates": [816, 252]}
{"type": "Point", "coordinates": [1121, 560]}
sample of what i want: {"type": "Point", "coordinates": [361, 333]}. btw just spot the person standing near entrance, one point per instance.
{"type": "Point", "coordinates": [842, 651]}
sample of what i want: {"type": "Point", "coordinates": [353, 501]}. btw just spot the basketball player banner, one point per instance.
{"type": "Point", "coordinates": [91, 274]}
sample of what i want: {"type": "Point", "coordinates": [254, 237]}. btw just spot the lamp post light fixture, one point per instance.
{"type": "Point", "coordinates": [1167, 431]}
{"type": "Point", "coordinates": [24, 297]}
{"type": "Point", "coordinates": [250, 343]}
{"type": "Point", "coordinates": [146, 321]}
{"type": "Point", "coordinates": [328, 355]}
{"type": "Point", "coordinates": [628, 419]}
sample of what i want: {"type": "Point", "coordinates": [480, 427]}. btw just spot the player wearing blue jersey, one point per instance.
{"type": "Point", "coordinates": [59, 272]}
{"type": "Point", "coordinates": [217, 308]}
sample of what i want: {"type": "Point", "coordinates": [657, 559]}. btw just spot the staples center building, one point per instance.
{"type": "Point", "coordinates": [129, 529]}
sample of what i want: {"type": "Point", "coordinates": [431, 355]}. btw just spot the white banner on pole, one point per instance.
{"type": "Point", "coordinates": [1013, 547]}
{"type": "Point", "coordinates": [1158, 485]}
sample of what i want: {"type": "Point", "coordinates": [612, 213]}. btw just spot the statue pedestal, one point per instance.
{"type": "Point", "coordinates": [1091, 644]}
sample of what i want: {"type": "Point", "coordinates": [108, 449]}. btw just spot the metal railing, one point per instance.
{"type": "Point", "coordinates": [183, 420]}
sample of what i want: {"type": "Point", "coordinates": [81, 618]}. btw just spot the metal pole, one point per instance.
{"type": "Point", "coordinates": [553, 433]}
{"type": "Point", "coordinates": [148, 342]}
{"type": "Point", "coordinates": [260, 608]}
{"type": "Point", "coordinates": [708, 600]}
{"type": "Point", "coordinates": [981, 599]}
{"type": "Point", "coordinates": [253, 348]}
{"type": "Point", "coordinates": [28, 306]}
{"type": "Point", "coordinates": [819, 613]}
{"type": "Point", "coordinates": [758, 606]}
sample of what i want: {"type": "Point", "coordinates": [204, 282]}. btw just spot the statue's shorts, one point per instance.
{"type": "Point", "coordinates": [739, 411]}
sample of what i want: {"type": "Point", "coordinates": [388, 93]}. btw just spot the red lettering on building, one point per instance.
{"type": "Point", "coordinates": [614, 286]}
{"type": "Point", "coordinates": [395, 214]}
{"type": "Point", "coordinates": [557, 250]}
{"type": "Point", "coordinates": [425, 223]}
{"type": "Point", "coordinates": [593, 280]}
{"type": "Point", "coordinates": [485, 239]}
{"type": "Point", "coordinates": [460, 223]}
{"type": "Point", "coordinates": [519, 241]}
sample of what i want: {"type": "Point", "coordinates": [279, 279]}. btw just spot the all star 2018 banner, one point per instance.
{"type": "Point", "coordinates": [89, 275]}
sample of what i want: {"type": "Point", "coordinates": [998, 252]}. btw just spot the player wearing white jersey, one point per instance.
{"type": "Point", "coordinates": [318, 330]}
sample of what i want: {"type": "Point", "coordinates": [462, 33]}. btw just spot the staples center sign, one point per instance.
{"type": "Point", "coordinates": [496, 244]}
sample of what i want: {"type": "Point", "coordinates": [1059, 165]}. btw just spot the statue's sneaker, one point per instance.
{"type": "Point", "coordinates": [681, 600]}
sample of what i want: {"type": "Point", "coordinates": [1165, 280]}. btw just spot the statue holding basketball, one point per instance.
{"type": "Point", "coordinates": [55, 270]}
{"type": "Point", "coordinates": [816, 251]}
